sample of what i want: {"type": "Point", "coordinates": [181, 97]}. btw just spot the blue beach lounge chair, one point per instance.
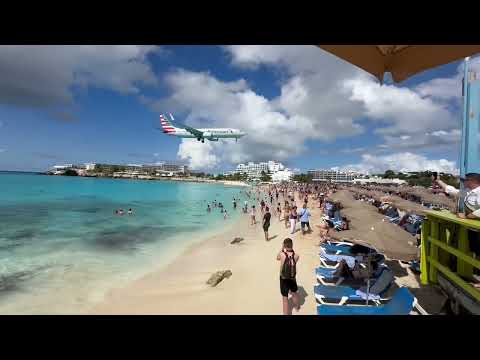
{"type": "Point", "coordinates": [325, 275]}
{"type": "Point", "coordinates": [336, 249]}
{"type": "Point", "coordinates": [339, 295]}
{"type": "Point", "coordinates": [402, 303]}
{"type": "Point", "coordinates": [331, 260]}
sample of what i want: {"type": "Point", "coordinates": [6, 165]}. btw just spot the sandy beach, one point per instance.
{"type": "Point", "coordinates": [180, 287]}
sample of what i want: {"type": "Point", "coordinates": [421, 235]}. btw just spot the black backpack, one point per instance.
{"type": "Point", "coordinates": [289, 269]}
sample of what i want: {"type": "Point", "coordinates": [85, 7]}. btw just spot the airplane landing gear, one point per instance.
{"type": "Point", "coordinates": [203, 140]}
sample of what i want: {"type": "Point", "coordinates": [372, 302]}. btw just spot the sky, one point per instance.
{"type": "Point", "coordinates": [298, 104]}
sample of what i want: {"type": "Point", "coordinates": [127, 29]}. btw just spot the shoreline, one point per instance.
{"type": "Point", "coordinates": [180, 287]}
{"type": "Point", "coordinates": [87, 298]}
{"type": "Point", "coordinates": [155, 178]}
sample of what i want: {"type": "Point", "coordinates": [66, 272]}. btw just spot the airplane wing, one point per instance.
{"type": "Point", "coordinates": [193, 131]}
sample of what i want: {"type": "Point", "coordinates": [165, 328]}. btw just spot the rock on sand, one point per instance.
{"type": "Point", "coordinates": [219, 276]}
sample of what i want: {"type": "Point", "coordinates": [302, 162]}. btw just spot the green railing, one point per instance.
{"type": "Point", "coordinates": [445, 249]}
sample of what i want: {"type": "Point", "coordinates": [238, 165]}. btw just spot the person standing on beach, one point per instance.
{"type": "Point", "coordinates": [262, 206]}
{"type": "Point", "coordinates": [286, 213]}
{"type": "Point", "coordinates": [293, 219]}
{"type": "Point", "coordinates": [252, 215]}
{"type": "Point", "coordinates": [288, 272]}
{"type": "Point", "coordinates": [305, 219]}
{"type": "Point", "coordinates": [266, 222]}
{"type": "Point", "coordinates": [279, 212]}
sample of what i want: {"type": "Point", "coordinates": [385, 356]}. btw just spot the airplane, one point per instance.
{"type": "Point", "coordinates": [185, 131]}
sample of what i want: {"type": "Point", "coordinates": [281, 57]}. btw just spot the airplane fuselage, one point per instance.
{"type": "Point", "coordinates": [185, 131]}
{"type": "Point", "coordinates": [210, 134]}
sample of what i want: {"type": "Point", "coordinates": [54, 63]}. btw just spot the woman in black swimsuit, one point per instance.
{"type": "Point", "coordinates": [266, 222]}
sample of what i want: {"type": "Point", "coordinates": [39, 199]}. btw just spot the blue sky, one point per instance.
{"type": "Point", "coordinates": [298, 104]}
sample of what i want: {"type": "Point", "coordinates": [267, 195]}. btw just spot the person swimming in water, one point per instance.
{"type": "Point", "coordinates": [209, 209]}
{"type": "Point", "coordinates": [130, 212]}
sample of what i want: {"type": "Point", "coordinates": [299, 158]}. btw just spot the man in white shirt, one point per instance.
{"type": "Point", "coordinates": [472, 196]}
{"type": "Point", "coordinates": [471, 202]}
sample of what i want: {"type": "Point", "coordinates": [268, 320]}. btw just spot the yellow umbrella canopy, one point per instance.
{"type": "Point", "coordinates": [402, 61]}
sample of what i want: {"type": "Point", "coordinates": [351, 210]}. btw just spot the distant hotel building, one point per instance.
{"type": "Point", "coordinates": [253, 170]}
{"type": "Point", "coordinates": [159, 168]}
{"type": "Point", "coordinates": [333, 175]}
{"type": "Point", "coordinates": [132, 169]}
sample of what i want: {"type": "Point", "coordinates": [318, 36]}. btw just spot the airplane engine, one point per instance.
{"type": "Point", "coordinates": [213, 139]}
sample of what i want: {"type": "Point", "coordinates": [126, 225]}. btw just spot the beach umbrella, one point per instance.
{"type": "Point", "coordinates": [402, 61]}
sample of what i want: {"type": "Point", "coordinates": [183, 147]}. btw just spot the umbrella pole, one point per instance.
{"type": "Point", "coordinates": [368, 279]}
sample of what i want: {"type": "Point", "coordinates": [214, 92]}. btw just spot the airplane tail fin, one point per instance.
{"type": "Point", "coordinates": [166, 124]}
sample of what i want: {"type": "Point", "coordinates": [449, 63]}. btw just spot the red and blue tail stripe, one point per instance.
{"type": "Point", "coordinates": [167, 126]}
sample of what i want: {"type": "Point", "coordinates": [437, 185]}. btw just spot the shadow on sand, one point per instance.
{"type": "Point", "coordinates": [302, 294]}
{"type": "Point", "coordinates": [272, 237]}
{"type": "Point", "coordinates": [398, 271]}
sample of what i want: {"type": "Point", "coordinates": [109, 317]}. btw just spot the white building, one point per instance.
{"type": "Point", "coordinates": [273, 167]}
{"type": "Point", "coordinates": [379, 180]}
{"type": "Point", "coordinates": [63, 167]}
{"type": "Point", "coordinates": [90, 166]}
{"type": "Point", "coordinates": [282, 175]}
{"type": "Point", "coordinates": [333, 175]}
{"type": "Point", "coordinates": [254, 170]}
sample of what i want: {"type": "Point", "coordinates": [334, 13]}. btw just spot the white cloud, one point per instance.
{"type": "Point", "coordinates": [442, 88]}
{"type": "Point", "coordinates": [404, 162]}
{"type": "Point", "coordinates": [310, 107]}
{"type": "Point", "coordinates": [439, 139]}
{"type": "Point", "coordinates": [403, 110]}
{"type": "Point", "coordinates": [335, 94]}
{"type": "Point", "coordinates": [321, 98]}
{"type": "Point", "coordinates": [43, 76]}
{"type": "Point", "coordinates": [197, 154]}
{"type": "Point", "coordinates": [352, 150]}
{"type": "Point", "coordinates": [271, 133]}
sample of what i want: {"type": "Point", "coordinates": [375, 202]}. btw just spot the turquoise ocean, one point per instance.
{"type": "Point", "coordinates": [62, 248]}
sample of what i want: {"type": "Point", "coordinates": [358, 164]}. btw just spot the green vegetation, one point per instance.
{"type": "Point", "coordinates": [233, 177]}
{"type": "Point", "coordinates": [108, 169]}
{"type": "Point", "coordinates": [265, 177]}
{"type": "Point", "coordinates": [303, 178]}
{"type": "Point", "coordinates": [421, 178]}
{"type": "Point", "coordinates": [70, 172]}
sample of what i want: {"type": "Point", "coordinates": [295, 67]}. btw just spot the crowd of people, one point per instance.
{"type": "Point", "coordinates": [410, 221]}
